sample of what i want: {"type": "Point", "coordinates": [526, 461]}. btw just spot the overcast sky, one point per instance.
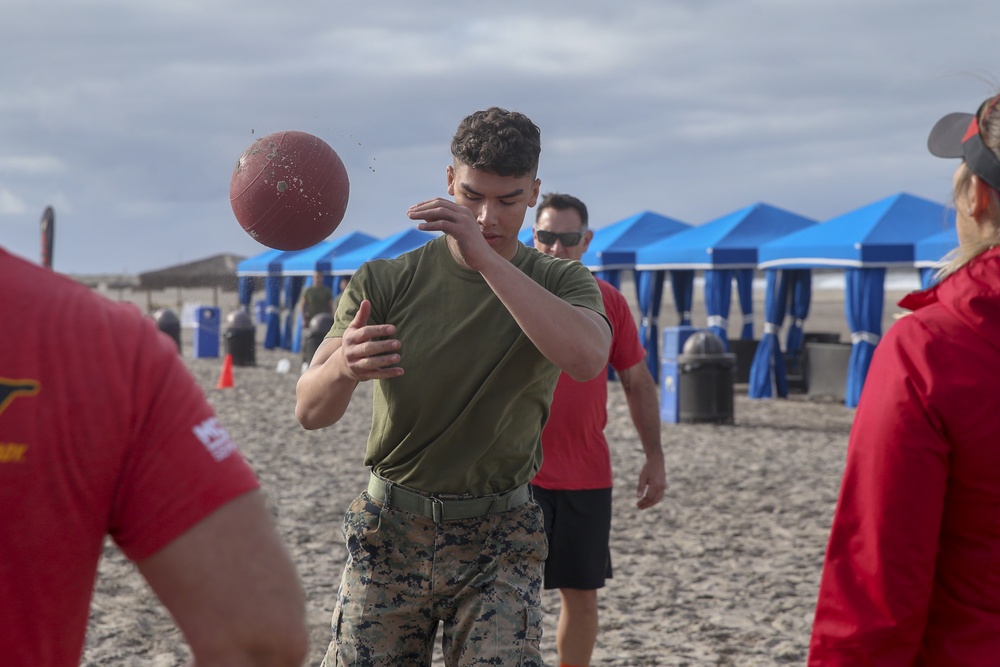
{"type": "Point", "coordinates": [127, 117]}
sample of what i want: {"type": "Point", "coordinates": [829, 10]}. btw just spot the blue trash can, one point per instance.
{"type": "Point", "coordinates": [673, 344]}
{"type": "Point", "coordinates": [669, 396]}
{"type": "Point", "coordinates": [207, 324]}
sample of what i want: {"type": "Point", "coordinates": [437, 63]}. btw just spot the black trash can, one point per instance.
{"type": "Point", "coordinates": [240, 335]}
{"type": "Point", "coordinates": [169, 323]}
{"type": "Point", "coordinates": [706, 375]}
{"type": "Point", "coordinates": [319, 327]}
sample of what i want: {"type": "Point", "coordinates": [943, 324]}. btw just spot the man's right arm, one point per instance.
{"type": "Point", "coordinates": [323, 392]}
{"type": "Point", "coordinates": [233, 589]}
{"type": "Point", "coordinates": [364, 352]}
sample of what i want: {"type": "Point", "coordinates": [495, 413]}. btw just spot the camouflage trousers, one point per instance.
{"type": "Point", "coordinates": [481, 578]}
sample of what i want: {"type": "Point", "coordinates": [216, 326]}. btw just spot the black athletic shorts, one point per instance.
{"type": "Point", "coordinates": [578, 527]}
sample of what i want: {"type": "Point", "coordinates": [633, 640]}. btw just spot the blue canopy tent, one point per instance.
{"type": "Point", "coordinates": [298, 269]}
{"type": "Point", "coordinates": [864, 242]}
{"type": "Point", "coordinates": [322, 256]}
{"type": "Point", "coordinates": [928, 253]}
{"type": "Point", "coordinates": [613, 247]}
{"type": "Point", "coordinates": [721, 247]}
{"type": "Point", "coordinates": [612, 250]}
{"type": "Point", "coordinates": [326, 257]}
{"type": "Point", "coordinates": [388, 248]}
{"type": "Point", "coordinates": [267, 265]}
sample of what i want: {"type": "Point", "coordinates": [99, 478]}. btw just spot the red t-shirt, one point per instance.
{"type": "Point", "coordinates": [102, 431]}
{"type": "Point", "coordinates": [576, 455]}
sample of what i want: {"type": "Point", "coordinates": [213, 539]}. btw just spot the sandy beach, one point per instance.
{"type": "Point", "coordinates": [723, 572]}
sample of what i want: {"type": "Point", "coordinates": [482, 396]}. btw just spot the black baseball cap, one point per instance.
{"type": "Point", "coordinates": [957, 135]}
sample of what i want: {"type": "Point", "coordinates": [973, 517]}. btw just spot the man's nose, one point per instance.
{"type": "Point", "coordinates": [557, 249]}
{"type": "Point", "coordinates": [487, 214]}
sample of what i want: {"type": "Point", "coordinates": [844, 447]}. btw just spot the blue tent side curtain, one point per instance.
{"type": "Point", "coordinates": [718, 300]}
{"type": "Point", "coordinates": [682, 286]}
{"type": "Point", "coordinates": [649, 291]}
{"type": "Point", "coordinates": [863, 305]}
{"type": "Point", "coordinates": [744, 289]}
{"type": "Point", "coordinates": [293, 288]}
{"type": "Point", "coordinates": [650, 288]}
{"type": "Point", "coordinates": [718, 297]}
{"type": "Point", "coordinates": [799, 301]}
{"type": "Point", "coordinates": [767, 372]}
{"type": "Point", "coordinates": [272, 299]}
{"type": "Point", "coordinates": [246, 286]}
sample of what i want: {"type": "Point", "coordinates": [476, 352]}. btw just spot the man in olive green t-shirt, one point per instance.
{"type": "Point", "coordinates": [465, 339]}
{"type": "Point", "coordinates": [316, 299]}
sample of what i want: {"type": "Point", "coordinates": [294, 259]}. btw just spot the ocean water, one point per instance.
{"type": "Point", "coordinates": [902, 280]}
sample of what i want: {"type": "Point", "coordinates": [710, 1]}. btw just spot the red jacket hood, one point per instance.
{"type": "Point", "coordinates": [971, 294]}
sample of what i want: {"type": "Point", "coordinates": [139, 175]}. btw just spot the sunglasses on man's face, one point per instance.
{"type": "Point", "coordinates": [568, 239]}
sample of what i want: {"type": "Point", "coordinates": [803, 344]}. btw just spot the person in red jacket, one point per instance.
{"type": "Point", "coordinates": [573, 485]}
{"type": "Point", "coordinates": [912, 569]}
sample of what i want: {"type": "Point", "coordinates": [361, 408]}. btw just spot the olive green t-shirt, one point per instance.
{"type": "Point", "coordinates": [316, 299]}
{"type": "Point", "coordinates": [467, 415]}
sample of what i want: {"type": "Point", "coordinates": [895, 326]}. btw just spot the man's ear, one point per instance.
{"type": "Point", "coordinates": [534, 192]}
{"type": "Point", "coordinates": [450, 171]}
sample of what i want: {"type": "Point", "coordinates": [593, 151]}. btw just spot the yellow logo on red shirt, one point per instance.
{"type": "Point", "coordinates": [11, 389]}
{"type": "Point", "coordinates": [13, 452]}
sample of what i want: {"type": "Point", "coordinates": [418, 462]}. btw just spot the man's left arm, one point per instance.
{"type": "Point", "coordinates": [643, 406]}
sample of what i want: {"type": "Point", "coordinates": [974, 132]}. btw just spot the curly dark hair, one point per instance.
{"type": "Point", "coordinates": [502, 142]}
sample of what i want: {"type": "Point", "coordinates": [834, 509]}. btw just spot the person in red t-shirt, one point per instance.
{"type": "Point", "coordinates": [103, 431]}
{"type": "Point", "coordinates": [573, 485]}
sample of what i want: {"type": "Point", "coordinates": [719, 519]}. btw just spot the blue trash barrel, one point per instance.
{"type": "Point", "coordinates": [207, 322]}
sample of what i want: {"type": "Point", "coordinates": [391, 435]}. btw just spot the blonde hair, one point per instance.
{"type": "Point", "coordinates": [989, 130]}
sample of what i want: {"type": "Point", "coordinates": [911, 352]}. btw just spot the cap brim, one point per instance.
{"type": "Point", "coordinates": [946, 136]}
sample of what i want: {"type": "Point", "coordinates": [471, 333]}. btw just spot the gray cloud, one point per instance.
{"type": "Point", "coordinates": [128, 117]}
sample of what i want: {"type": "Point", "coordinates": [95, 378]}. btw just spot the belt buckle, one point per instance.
{"type": "Point", "coordinates": [437, 509]}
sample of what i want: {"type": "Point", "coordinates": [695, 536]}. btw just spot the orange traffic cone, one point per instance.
{"type": "Point", "coordinates": [226, 377]}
